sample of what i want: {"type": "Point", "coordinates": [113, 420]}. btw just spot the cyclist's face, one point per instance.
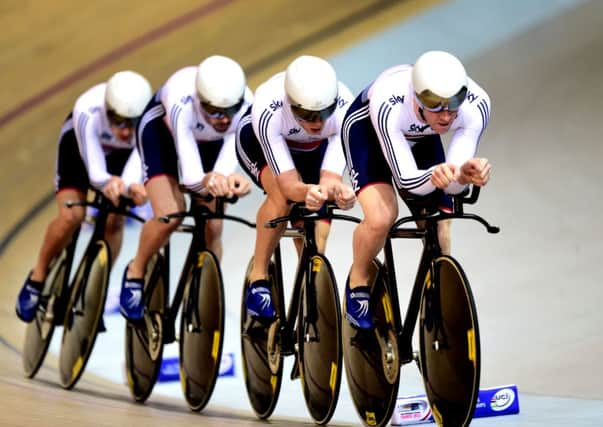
{"type": "Point", "coordinates": [311, 128]}
{"type": "Point", "coordinates": [122, 133]}
{"type": "Point", "coordinates": [439, 121]}
{"type": "Point", "coordinates": [219, 124]}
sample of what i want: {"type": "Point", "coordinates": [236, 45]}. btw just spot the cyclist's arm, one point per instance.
{"type": "Point", "coordinates": [132, 173]}
{"type": "Point", "coordinates": [465, 141]}
{"type": "Point", "coordinates": [191, 168]}
{"type": "Point", "coordinates": [90, 147]}
{"type": "Point", "coordinates": [396, 150]}
{"type": "Point", "coordinates": [267, 127]}
{"type": "Point", "coordinates": [227, 163]}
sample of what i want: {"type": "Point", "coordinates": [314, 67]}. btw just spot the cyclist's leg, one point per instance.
{"type": "Point", "coordinates": [71, 182]}
{"type": "Point", "coordinates": [165, 197]}
{"type": "Point", "coordinates": [157, 150]}
{"type": "Point", "coordinates": [274, 205]}
{"type": "Point", "coordinates": [371, 179]}
{"type": "Point", "coordinates": [251, 158]}
{"type": "Point", "coordinates": [380, 208]}
{"type": "Point", "coordinates": [160, 165]}
{"type": "Point", "coordinates": [59, 231]}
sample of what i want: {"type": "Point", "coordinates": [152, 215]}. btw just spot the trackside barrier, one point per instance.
{"type": "Point", "coordinates": [491, 402]}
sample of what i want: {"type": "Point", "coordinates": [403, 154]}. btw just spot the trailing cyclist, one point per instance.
{"type": "Point", "coordinates": [186, 136]}
{"type": "Point", "coordinates": [96, 148]}
{"type": "Point", "coordinates": [293, 128]}
{"type": "Point", "coordinates": [392, 131]}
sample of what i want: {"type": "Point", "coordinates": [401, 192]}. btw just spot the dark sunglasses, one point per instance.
{"type": "Point", "coordinates": [221, 112]}
{"type": "Point", "coordinates": [313, 116]}
{"type": "Point", "coordinates": [435, 103]}
{"type": "Point", "coordinates": [121, 121]}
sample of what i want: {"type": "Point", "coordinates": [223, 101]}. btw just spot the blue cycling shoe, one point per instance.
{"type": "Point", "coordinates": [28, 300]}
{"type": "Point", "coordinates": [259, 300]}
{"type": "Point", "coordinates": [357, 307]}
{"type": "Point", "coordinates": [131, 304]}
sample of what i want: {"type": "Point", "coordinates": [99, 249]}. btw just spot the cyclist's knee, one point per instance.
{"type": "Point", "coordinates": [72, 218]}
{"type": "Point", "coordinates": [378, 222]}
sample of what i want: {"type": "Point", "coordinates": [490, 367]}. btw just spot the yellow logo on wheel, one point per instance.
{"type": "Point", "coordinates": [370, 419]}
{"type": "Point", "coordinates": [216, 345]}
{"type": "Point", "coordinates": [102, 257]}
{"type": "Point", "coordinates": [333, 377]}
{"type": "Point", "coordinates": [200, 259]}
{"type": "Point", "coordinates": [471, 345]}
{"type": "Point", "coordinates": [316, 263]}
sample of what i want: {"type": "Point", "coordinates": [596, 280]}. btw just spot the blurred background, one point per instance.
{"type": "Point", "coordinates": [535, 283]}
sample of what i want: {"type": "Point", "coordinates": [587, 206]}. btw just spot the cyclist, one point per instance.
{"type": "Point", "coordinates": [392, 131]}
{"type": "Point", "coordinates": [96, 148]}
{"type": "Point", "coordinates": [186, 136]}
{"type": "Point", "coordinates": [294, 128]}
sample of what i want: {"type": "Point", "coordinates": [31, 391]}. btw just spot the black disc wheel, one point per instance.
{"type": "Point", "coordinates": [38, 333]}
{"type": "Point", "coordinates": [144, 339]}
{"type": "Point", "coordinates": [262, 361]}
{"type": "Point", "coordinates": [84, 312]}
{"type": "Point", "coordinates": [201, 330]}
{"type": "Point", "coordinates": [319, 340]}
{"type": "Point", "coordinates": [372, 358]}
{"type": "Point", "coordinates": [449, 343]}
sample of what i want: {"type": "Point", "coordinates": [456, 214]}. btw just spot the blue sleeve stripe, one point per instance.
{"type": "Point", "coordinates": [409, 183]}
{"type": "Point", "coordinates": [174, 113]}
{"type": "Point", "coordinates": [485, 112]}
{"type": "Point", "coordinates": [383, 115]}
{"type": "Point", "coordinates": [356, 116]}
{"type": "Point", "coordinates": [265, 143]}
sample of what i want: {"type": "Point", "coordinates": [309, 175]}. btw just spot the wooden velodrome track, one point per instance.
{"type": "Point", "coordinates": [541, 319]}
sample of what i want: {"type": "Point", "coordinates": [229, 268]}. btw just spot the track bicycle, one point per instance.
{"type": "Point", "coordinates": [83, 315]}
{"type": "Point", "coordinates": [199, 298]}
{"type": "Point", "coordinates": [310, 329]}
{"type": "Point", "coordinates": [449, 347]}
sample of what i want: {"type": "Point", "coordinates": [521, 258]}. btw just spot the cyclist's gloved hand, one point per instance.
{"type": "Point", "coordinates": [315, 197]}
{"type": "Point", "coordinates": [344, 196]}
{"type": "Point", "coordinates": [137, 193]}
{"type": "Point", "coordinates": [444, 174]}
{"type": "Point", "coordinates": [475, 171]}
{"type": "Point", "coordinates": [238, 185]}
{"type": "Point", "coordinates": [113, 189]}
{"type": "Point", "coordinates": [217, 184]}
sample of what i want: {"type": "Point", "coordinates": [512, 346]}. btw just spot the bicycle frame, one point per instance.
{"type": "Point", "coordinates": [104, 208]}
{"type": "Point", "coordinates": [200, 214]}
{"type": "Point", "coordinates": [431, 250]}
{"type": "Point", "coordinates": [308, 249]}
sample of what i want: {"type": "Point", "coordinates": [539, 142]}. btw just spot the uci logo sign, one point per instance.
{"type": "Point", "coordinates": [502, 399]}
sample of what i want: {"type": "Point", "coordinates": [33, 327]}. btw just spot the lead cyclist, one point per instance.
{"type": "Point", "coordinates": [392, 132]}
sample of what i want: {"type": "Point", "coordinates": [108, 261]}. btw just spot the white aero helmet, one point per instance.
{"type": "Point", "coordinates": [312, 87]}
{"type": "Point", "coordinates": [127, 94]}
{"type": "Point", "coordinates": [220, 83]}
{"type": "Point", "coordinates": [440, 81]}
